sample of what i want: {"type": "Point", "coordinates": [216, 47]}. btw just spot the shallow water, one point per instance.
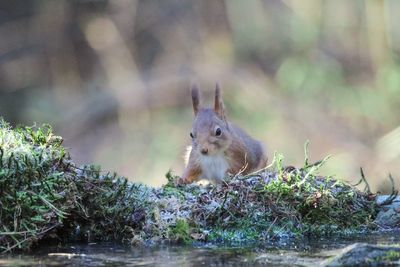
{"type": "Point", "coordinates": [284, 253]}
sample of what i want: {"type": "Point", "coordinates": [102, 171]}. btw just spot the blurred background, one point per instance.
{"type": "Point", "coordinates": [113, 78]}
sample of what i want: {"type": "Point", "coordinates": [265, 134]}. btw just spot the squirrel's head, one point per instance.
{"type": "Point", "coordinates": [210, 131]}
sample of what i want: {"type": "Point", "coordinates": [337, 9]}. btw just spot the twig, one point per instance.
{"type": "Point", "coordinates": [29, 238]}
{"type": "Point", "coordinates": [244, 167]}
{"type": "Point", "coordinates": [272, 224]}
{"type": "Point", "coordinates": [392, 196]}
{"type": "Point", "coordinates": [367, 188]}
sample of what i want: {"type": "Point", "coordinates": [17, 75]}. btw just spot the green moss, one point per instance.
{"type": "Point", "coordinates": [231, 236]}
{"type": "Point", "coordinates": [179, 232]}
{"type": "Point", "coordinates": [43, 193]}
{"type": "Point", "coordinates": [320, 204]}
{"type": "Point", "coordinates": [391, 255]}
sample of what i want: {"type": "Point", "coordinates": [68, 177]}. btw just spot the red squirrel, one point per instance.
{"type": "Point", "coordinates": [218, 146]}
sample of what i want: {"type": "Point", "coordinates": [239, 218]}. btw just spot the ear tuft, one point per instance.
{"type": "Point", "coordinates": [219, 104]}
{"type": "Point", "coordinates": [195, 98]}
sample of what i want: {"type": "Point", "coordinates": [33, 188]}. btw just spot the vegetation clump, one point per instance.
{"type": "Point", "coordinates": [43, 195]}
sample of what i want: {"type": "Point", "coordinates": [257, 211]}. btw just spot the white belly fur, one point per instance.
{"type": "Point", "coordinates": [213, 167]}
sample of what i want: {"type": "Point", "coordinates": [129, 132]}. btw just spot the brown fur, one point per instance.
{"type": "Point", "coordinates": [232, 151]}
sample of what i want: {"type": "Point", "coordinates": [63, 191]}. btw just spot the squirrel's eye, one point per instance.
{"type": "Point", "coordinates": [218, 132]}
{"type": "Point", "coordinates": [191, 135]}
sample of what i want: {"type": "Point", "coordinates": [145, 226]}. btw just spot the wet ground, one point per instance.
{"type": "Point", "coordinates": [283, 253]}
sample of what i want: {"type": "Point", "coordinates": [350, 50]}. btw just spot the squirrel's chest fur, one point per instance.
{"type": "Point", "coordinates": [213, 167]}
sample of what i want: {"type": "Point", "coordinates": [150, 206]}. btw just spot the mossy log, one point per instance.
{"type": "Point", "coordinates": [44, 195]}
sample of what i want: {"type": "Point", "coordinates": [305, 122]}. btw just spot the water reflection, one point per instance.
{"type": "Point", "coordinates": [307, 252]}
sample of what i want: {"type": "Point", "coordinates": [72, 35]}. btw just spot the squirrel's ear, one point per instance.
{"type": "Point", "coordinates": [195, 99]}
{"type": "Point", "coordinates": [219, 107]}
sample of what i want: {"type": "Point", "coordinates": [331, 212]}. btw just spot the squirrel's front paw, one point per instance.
{"type": "Point", "coordinates": [181, 181]}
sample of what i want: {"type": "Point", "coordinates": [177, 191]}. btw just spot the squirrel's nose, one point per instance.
{"type": "Point", "coordinates": [204, 151]}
